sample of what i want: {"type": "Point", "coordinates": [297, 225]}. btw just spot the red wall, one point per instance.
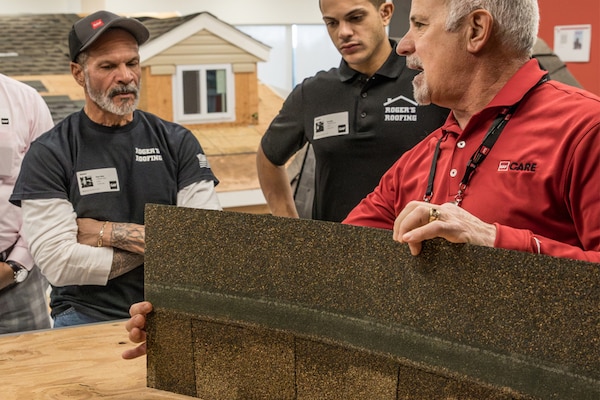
{"type": "Point", "coordinates": [575, 12]}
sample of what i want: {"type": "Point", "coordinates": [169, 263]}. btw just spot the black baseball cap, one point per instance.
{"type": "Point", "coordinates": [85, 31]}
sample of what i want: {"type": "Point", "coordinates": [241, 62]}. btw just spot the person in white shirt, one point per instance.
{"type": "Point", "coordinates": [23, 117]}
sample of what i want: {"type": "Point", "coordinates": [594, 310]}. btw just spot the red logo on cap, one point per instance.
{"type": "Point", "coordinates": [97, 24]}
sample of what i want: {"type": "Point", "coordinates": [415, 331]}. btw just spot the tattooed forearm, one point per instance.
{"type": "Point", "coordinates": [124, 261]}
{"type": "Point", "coordinates": [129, 237]}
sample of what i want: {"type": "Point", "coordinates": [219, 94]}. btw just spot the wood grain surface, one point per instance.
{"type": "Point", "coordinates": [81, 362]}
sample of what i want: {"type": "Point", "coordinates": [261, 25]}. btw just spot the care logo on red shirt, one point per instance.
{"type": "Point", "coordinates": [503, 166]}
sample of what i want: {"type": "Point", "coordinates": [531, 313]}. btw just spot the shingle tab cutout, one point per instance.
{"type": "Point", "coordinates": [260, 307]}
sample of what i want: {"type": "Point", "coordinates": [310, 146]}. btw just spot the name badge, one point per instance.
{"type": "Point", "coordinates": [100, 180]}
{"type": "Point", "coordinates": [331, 125]}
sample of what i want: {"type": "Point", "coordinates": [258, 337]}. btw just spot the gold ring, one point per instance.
{"type": "Point", "coordinates": [434, 214]}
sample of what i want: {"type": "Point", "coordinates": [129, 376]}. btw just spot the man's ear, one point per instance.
{"type": "Point", "coordinates": [385, 12]}
{"type": "Point", "coordinates": [77, 72]}
{"type": "Point", "coordinates": [479, 30]}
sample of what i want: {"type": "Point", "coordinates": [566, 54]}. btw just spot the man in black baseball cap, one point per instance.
{"type": "Point", "coordinates": [85, 31]}
{"type": "Point", "coordinates": [95, 171]}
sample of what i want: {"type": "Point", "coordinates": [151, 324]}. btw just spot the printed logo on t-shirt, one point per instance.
{"type": "Point", "coordinates": [147, 155]}
{"type": "Point", "coordinates": [101, 180]}
{"type": "Point", "coordinates": [4, 116]}
{"type": "Point", "coordinates": [400, 109]}
{"type": "Point", "coordinates": [203, 161]}
{"type": "Point", "coordinates": [329, 125]}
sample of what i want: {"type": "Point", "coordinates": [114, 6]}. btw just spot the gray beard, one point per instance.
{"type": "Point", "coordinates": [106, 103]}
{"type": "Point", "coordinates": [422, 94]}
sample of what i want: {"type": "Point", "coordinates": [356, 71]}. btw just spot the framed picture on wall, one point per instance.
{"type": "Point", "coordinates": [572, 42]}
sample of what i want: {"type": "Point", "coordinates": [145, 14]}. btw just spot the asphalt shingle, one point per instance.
{"type": "Point", "coordinates": [35, 44]}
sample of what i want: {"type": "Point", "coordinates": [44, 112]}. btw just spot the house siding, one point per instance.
{"type": "Point", "coordinates": [156, 94]}
{"type": "Point", "coordinates": [201, 49]}
{"type": "Point", "coordinates": [156, 97]}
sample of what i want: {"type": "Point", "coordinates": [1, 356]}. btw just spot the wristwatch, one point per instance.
{"type": "Point", "coordinates": [20, 272]}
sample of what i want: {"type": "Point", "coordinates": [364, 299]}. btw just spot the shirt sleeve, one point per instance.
{"type": "Point", "coordinates": [42, 120]}
{"type": "Point", "coordinates": [20, 253]}
{"type": "Point", "coordinates": [286, 135]}
{"type": "Point", "coordinates": [39, 121]}
{"type": "Point", "coordinates": [50, 227]}
{"type": "Point", "coordinates": [199, 195]}
{"type": "Point", "coordinates": [193, 165]}
{"type": "Point", "coordinates": [525, 240]}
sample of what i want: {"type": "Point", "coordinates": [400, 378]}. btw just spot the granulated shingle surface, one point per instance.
{"type": "Point", "coordinates": [467, 320]}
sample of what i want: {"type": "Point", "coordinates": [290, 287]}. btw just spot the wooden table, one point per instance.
{"type": "Point", "coordinates": [82, 362]}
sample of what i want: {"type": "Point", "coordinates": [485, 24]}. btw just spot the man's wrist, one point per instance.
{"type": "Point", "coordinates": [19, 275]}
{"type": "Point", "coordinates": [101, 234]}
{"type": "Point", "coordinates": [6, 275]}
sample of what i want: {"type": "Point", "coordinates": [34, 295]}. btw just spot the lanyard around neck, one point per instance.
{"type": "Point", "coordinates": [482, 151]}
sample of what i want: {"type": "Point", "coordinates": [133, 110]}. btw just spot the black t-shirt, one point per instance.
{"type": "Point", "coordinates": [358, 127]}
{"type": "Point", "coordinates": [110, 174]}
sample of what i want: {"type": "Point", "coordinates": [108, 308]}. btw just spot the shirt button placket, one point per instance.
{"type": "Point", "coordinates": [461, 145]}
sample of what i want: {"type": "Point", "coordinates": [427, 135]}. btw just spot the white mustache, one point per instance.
{"type": "Point", "coordinates": [413, 62]}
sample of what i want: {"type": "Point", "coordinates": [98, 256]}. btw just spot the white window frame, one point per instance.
{"type": "Point", "coordinates": [203, 116]}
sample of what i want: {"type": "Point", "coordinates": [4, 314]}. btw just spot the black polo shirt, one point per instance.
{"type": "Point", "coordinates": [358, 126]}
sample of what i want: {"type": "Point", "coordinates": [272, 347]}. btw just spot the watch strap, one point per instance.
{"type": "Point", "coordinates": [18, 271]}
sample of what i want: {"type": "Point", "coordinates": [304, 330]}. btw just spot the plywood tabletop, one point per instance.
{"type": "Point", "coordinates": [81, 362]}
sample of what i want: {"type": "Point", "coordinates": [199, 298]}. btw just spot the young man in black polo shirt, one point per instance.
{"type": "Point", "coordinates": [359, 118]}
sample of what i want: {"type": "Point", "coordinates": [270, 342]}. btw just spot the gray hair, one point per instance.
{"type": "Point", "coordinates": [82, 59]}
{"type": "Point", "coordinates": [516, 21]}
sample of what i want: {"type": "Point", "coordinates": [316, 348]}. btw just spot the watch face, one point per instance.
{"type": "Point", "coordinates": [21, 275]}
